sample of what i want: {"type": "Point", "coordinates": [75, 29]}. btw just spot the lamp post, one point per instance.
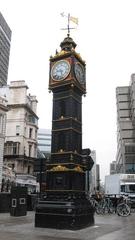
{"type": "Point", "coordinates": [40, 169]}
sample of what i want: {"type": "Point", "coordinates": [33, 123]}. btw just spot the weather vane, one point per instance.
{"type": "Point", "coordinates": [70, 18]}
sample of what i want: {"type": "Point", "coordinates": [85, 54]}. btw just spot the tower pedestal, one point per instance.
{"type": "Point", "coordinates": [64, 211]}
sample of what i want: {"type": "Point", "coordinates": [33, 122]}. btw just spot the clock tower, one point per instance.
{"type": "Point", "coordinates": [65, 203]}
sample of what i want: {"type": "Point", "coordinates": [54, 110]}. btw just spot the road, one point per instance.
{"type": "Point", "coordinates": [106, 227]}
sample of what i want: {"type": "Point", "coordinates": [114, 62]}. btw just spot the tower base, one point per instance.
{"type": "Point", "coordinates": [72, 211]}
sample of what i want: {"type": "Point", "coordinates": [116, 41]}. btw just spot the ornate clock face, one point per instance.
{"type": "Point", "coordinates": [79, 73]}
{"type": "Point", "coordinates": [60, 70]}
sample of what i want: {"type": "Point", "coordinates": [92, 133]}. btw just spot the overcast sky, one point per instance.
{"type": "Point", "coordinates": [105, 38]}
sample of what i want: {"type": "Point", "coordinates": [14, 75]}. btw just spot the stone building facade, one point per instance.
{"type": "Point", "coordinates": [3, 110]}
{"type": "Point", "coordinates": [125, 159]}
{"type": "Point", "coordinates": [20, 149]}
{"type": "Point", "coordinates": [92, 174]}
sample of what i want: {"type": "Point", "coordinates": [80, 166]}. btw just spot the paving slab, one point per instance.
{"type": "Point", "coordinates": [106, 227]}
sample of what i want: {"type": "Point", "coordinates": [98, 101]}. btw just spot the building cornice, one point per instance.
{"type": "Point", "coordinates": [4, 108]}
{"type": "Point", "coordinates": [22, 105]}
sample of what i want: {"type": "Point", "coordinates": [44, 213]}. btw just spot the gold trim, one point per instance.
{"type": "Point", "coordinates": [78, 169]}
{"type": "Point", "coordinates": [62, 164]}
{"type": "Point", "coordinates": [58, 54]}
{"type": "Point", "coordinates": [78, 56]}
{"type": "Point", "coordinates": [66, 129]}
{"type": "Point", "coordinates": [66, 53]}
{"type": "Point", "coordinates": [66, 170]}
{"type": "Point", "coordinates": [62, 168]}
{"type": "Point", "coordinates": [59, 168]}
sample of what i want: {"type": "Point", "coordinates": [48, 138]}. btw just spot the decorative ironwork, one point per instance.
{"type": "Point", "coordinates": [59, 168]}
{"type": "Point", "coordinates": [78, 169]}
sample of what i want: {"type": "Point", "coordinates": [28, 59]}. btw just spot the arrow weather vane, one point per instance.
{"type": "Point", "coordinates": [70, 18]}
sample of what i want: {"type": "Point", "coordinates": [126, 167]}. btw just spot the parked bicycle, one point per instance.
{"type": "Point", "coordinates": [103, 206]}
{"type": "Point", "coordinates": [120, 206]}
{"type": "Point", "coordinates": [123, 207]}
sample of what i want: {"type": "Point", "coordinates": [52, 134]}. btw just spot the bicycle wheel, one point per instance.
{"type": "Point", "coordinates": [99, 209]}
{"type": "Point", "coordinates": [111, 209]}
{"type": "Point", "coordinates": [123, 210]}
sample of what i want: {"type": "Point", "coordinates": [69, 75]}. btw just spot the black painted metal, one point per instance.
{"type": "Point", "coordinates": [39, 169]}
{"type": "Point", "coordinates": [18, 201]}
{"type": "Point", "coordinates": [65, 203]}
{"type": "Point", "coordinates": [4, 202]}
{"type": "Point", "coordinates": [64, 210]}
{"type": "Point", "coordinates": [40, 165]}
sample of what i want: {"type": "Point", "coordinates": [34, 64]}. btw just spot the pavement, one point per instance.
{"type": "Point", "coordinates": [106, 227]}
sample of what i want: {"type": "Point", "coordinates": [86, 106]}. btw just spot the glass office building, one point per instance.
{"type": "Point", "coordinates": [5, 40]}
{"type": "Point", "coordinates": [44, 141]}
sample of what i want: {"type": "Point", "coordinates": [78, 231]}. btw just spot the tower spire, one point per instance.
{"type": "Point", "coordinates": [68, 34]}
{"type": "Point", "coordinates": [69, 18]}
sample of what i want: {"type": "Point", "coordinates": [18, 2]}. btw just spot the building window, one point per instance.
{"type": "Point", "coordinates": [25, 131]}
{"type": "Point", "coordinates": [130, 168]}
{"type": "Point", "coordinates": [13, 166]}
{"type": "Point", "coordinates": [11, 148]}
{"type": "Point", "coordinates": [30, 133]}
{"type": "Point", "coordinates": [17, 130]}
{"type": "Point", "coordinates": [29, 168]}
{"type": "Point", "coordinates": [35, 133]}
{"type": "Point", "coordinates": [30, 148]}
{"type": "Point", "coordinates": [35, 150]}
{"type": "Point", "coordinates": [1, 124]}
{"type": "Point", "coordinates": [32, 119]}
{"type": "Point", "coordinates": [14, 148]}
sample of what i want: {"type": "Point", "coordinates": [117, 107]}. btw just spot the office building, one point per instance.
{"type": "Point", "coordinates": [5, 40]}
{"type": "Point", "coordinates": [98, 177]}
{"type": "Point", "coordinates": [125, 159]}
{"type": "Point", "coordinates": [44, 141]}
{"type": "Point", "coordinates": [113, 167]}
{"type": "Point", "coordinates": [92, 174]}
